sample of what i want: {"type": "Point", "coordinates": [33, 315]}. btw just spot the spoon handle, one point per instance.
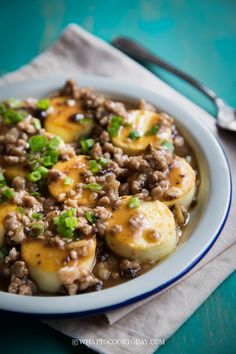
{"type": "Point", "coordinates": [139, 53]}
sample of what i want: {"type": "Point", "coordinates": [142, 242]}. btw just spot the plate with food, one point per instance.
{"type": "Point", "coordinates": [108, 193]}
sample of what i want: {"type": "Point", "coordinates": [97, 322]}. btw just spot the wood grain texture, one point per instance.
{"type": "Point", "coordinates": [197, 36]}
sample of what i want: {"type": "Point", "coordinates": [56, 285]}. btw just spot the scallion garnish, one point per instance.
{"type": "Point", "coordinates": [47, 161]}
{"type": "Point", "coordinates": [52, 156]}
{"type": "Point", "coordinates": [37, 216]}
{"type": "Point", "coordinates": [153, 130]}
{"type": "Point", "coordinates": [2, 180]}
{"type": "Point", "coordinates": [37, 142]}
{"type": "Point", "coordinates": [68, 181]}
{"type": "Point", "coordinates": [43, 104]}
{"type": "Point", "coordinates": [54, 143]}
{"type": "Point", "coordinates": [37, 124]}
{"type": "Point", "coordinates": [43, 154]}
{"type": "Point", "coordinates": [93, 186]}
{"type": "Point", "coordinates": [71, 222]}
{"type": "Point", "coordinates": [36, 229]}
{"type": "Point", "coordinates": [133, 135]}
{"type": "Point", "coordinates": [34, 176]}
{"type": "Point", "coordinates": [115, 124]}
{"type": "Point", "coordinates": [66, 223]}
{"type": "Point", "coordinates": [103, 161]}
{"type": "Point", "coordinates": [35, 194]}
{"type": "Point", "coordinates": [43, 171]}
{"type": "Point", "coordinates": [11, 116]}
{"type": "Point", "coordinates": [86, 144]}
{"type": "Point", "coordinates": [8, 193]}
{"type": "Point", "coordinates": [90, 216]}
{"type": "Point", "coordinates": [20, 210]}
{"type": "Point", "coordinates": [93, 166]}
{"type": "Point", "coordinates": [168, 145]}
{"type": "Point", "coordinates": [134, 202]}
{"type": "Point", "coordinates": [13, 102]}
{"type": "Point", "coordinates": [86, 121]}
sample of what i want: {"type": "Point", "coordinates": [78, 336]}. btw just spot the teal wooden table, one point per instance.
{"type": "Point", "coordinates": [198, 36]}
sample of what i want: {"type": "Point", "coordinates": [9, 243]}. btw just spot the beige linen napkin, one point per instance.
{"type": "Point", "coordinates": [75, 52]}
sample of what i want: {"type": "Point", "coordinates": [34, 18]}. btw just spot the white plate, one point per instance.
{"type": "Point", "coordinates": [207, 219]}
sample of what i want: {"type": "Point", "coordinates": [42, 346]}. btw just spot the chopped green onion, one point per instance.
{"type": "Point", "coordinates": [54, 143]}
{"type": "Point", "coordinates": [8, 193]}
{"type": "Point", "coordinates": [134, 202]}
{"type": "Point", "coordinates": [113, 131]}
{"type": "Point", "coordinates": [90, 216]}
{"type": "Point", "coordinates": [37, 216]}
{"type": "Point", "coordinates": [116, 122]}
{"type": "Point", "coordinates": [43, 171]}
{"type": "Point", "coordinates": [103, 161]}
{"type": "Point", "coordinates": [54, 156]}
{"type": "Point", "coordinates": [43, 104]}
{"type": "Point", "coordinates": [134, 135]}
{"type": "Point", "coordinates": [65, 232]}
{"type": "Point", "coordinates": [21, 210]}
{"type": "Point", "coordinates": [34, 176]}
{"type": "Point", "coordinates": [86, 121]}
{"type": "Point", "coordinates": [167, 145]}
{"type": "Point", "coordinates": [37, 142]}
{"type": "Point", "coordinates": [68, 181]}
{"type": "Point", "coordinates": [37, 124]}
{"type": "Point", "coordinates": [67, 213]}
{"type": "Point", "coordinates": [50, 159]}
{"type": "Point", "coordinates": [86, 144]}
{"type": "Point", "coordinates": [39, 173]}
{"type": "Point", "coordinates": [66, 223]}
{"type": "Point", "coordinates": [71, 222]}
{"type": "Point", "coordinates": [36, 229]}
{"type": "Point", "coordinates": [35, 194]}
{"type": "Point", "coordinates": [153, 130]}
{"type": "Point", "coordinates": [2, 184]}
{"type": "Point", "coordinates": [3, 252]}
{"type": "Point", "coordinates": [47, 161]}
{"type": "Point", "coordinates": [49, 152]}
{"type": "Point", "coordinates": [13, 103]}
{"type": "Point", "coordinates": [2, 178]}
{"type": "Point", "coordinates": [93, 186]}
{"type": "Point", "coordinates": [10, 116]}
{"type": "Point", "coordinates": [56, 220]}
{"type": "Point", "coordinates": [93, 166]}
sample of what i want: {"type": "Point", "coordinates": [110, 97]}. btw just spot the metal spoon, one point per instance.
{"type": "Point", "coordinates": [226, 115]}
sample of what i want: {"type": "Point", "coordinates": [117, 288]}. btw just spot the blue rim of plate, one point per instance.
{"type": "Point", "coordinates": [159, 288]}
